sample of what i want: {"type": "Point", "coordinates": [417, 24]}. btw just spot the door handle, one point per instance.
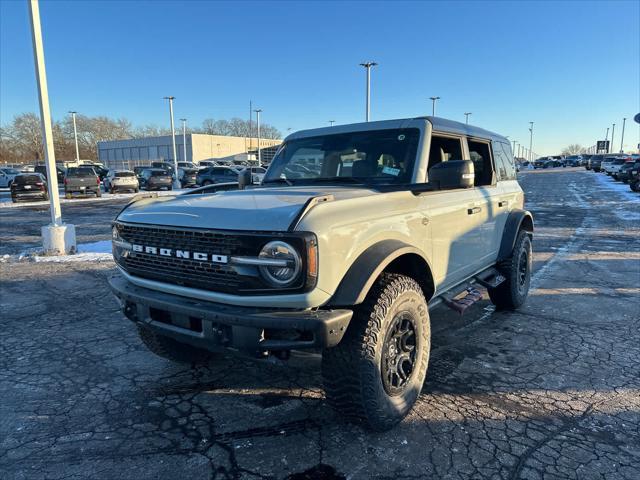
{"type": "Point", "coordinates": [502, 203]}
{"type": "Point", "coordinates": [471, 211]}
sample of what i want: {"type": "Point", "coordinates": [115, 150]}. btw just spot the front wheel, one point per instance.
{"type": "Point", "coordinates": [375, 374]}
{"type": "Point", "coordinates": [513, 291]}
{"type": "Point", "coordinates": [98, 193]}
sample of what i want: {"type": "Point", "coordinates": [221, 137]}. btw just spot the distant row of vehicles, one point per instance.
{"type": "Point", "coordinates": [622, 167]}
{"type": "Point", "coordinates": [87, 179]}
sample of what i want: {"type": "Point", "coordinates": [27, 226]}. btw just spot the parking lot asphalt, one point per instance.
{"type": "Point", "coordinates": [550, 391]}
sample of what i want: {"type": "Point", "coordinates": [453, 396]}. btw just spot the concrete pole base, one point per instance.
{"type": "Point", "coordinates": [59, 239]}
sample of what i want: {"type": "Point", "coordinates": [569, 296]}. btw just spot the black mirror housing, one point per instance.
{"type": "Point", "coordinates": [244, 179]}
{"type": "Point", "coordinates": [452, 174]}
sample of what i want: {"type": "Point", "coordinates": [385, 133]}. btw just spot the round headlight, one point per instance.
{"type": "Point", "coordinates": [286, 263]}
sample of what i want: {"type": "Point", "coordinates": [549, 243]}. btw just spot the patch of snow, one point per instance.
{"type": "Point", "coordinates": [103, 246]}
{"type": "Point", "coordinates": [78, 257]}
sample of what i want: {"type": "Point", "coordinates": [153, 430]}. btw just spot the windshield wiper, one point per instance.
{"type": "Point", "coordinates": [357, 180]}
{"type": "Point", "coordinates": [278, 180]}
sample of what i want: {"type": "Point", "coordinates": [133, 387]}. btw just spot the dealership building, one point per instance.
{"type": "Point", "coordinates": [126, 154]}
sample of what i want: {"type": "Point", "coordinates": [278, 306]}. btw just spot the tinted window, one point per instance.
{"type": "Point", "coordinates": [444, 149]}
{"type": "Point", "coordinates": [159, 173]}
{"type": "Point", "coordinates": [125, 174]}
{"type": "Point", "coordinates": [20, 179]}
{"type": "Point", "coordinates": [81, 172]}
{"type": "Point", "coordinates": [479, 153]}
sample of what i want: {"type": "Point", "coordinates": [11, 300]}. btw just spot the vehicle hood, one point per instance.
{"type": "Point", "coordinates": [260, 209]}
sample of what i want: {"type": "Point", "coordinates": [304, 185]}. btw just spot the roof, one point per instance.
{"type": "Point", "coordinates": [439, 124]}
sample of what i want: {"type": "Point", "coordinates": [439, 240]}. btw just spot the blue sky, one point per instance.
{"type": "Point", "coordinates": [572, 67]}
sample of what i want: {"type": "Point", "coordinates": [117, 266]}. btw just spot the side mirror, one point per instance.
{"type": "Point", "coordinates": [452, 174]}
{"type": "Point", "coordinates": [244, 179]}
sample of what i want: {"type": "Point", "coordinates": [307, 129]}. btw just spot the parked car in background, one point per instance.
{"type": "Point", "coordinates": [634, 184]}
{"type": "Point", "coordinates": [559, 160]}
{"type": "Point", "coordinates": [7, 174]}
{"type": "Point", "coordinates": [169, 167]}
{"type": "Point", "coordinates": [628, 171]}
{"type": "Point", "coordinates": [31, 186]}
{"type": "Point", "coordinates": [540, 162]}
{"type": "Point", "coordinates": [217, 175]}
{"type": "Point", "coordinates": [121, 180]}
{"type": "Point", "coordinates": [595, 162]}
{"type": "Point", "coordinates": [608, 162]}
{"type": "Point", "coordinates": [138, 171]}
{"type": "Point", "coordinates": [82, 180]}
{"type": "Point", "coordinates": [187, 177]}
{"type": "Point", "coordinates": [585, 160]}
{"type": "Point", "coordinates": [156, 179]}
{"type": "Point", "coordinates": [60, 171]}
{"type": "Point", "coordinates": [187, 165]}
{"type": "Point", "coordinates": [573, 160]}
{"type": "Point", "coordinates": [617, 164]}
{"type": "Point", "coordinates": [206, 164]}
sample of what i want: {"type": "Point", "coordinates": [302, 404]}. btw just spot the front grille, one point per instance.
{"type": "Point", "coordinates": [186, 272]}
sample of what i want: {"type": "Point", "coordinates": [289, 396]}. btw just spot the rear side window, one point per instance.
{"type": "Point", "coordinates": [22, 179]}
{"type": "Point", "coordinates": [505, 168]}
{"type": "Point", "coordinates": [480, 155]}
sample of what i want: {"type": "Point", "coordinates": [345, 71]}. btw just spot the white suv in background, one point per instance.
{"type": "Point", "coordinates": [7, 175]}
{"type": "Point", "coordinates": [119, 180]}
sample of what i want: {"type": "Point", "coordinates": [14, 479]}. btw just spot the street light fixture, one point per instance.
{"type": "Point", "coordinates": [368, 66]}
{"type": "Point", "coordinates": [433, 105]}
{"type": "Point", "coordinates": [466, 117]}
{"type": "Point", "coordinates": [184, 138]}
{"type": "Point", "coordinates": [75, 135]}
{"type": "Point", "coordinates": [530, 140]}
{"type": "Point", "coordinates": [613, 131]}
{"type": "Point", "coordinates": [331, 122]}
{"type": "Point", "coordinates": [176, 182]}
{"type": "Point", "coordinates": [258, 125]}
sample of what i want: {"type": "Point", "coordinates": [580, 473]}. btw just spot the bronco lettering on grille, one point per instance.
{"type": "Point", "coordinates": [169, 252]}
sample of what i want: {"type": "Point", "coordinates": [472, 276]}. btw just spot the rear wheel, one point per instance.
{"type": "Point", "coordinates": [375, 374]}
{"type": "Point", "coordinates": [99, 193]}
{"type": "Point", "coordinates": [171, 350]}
{"type": "Point", "coordinates": [512, 292]}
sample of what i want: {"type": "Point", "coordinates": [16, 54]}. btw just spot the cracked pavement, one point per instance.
{"type": "Point", "coordinates": [551, 391]}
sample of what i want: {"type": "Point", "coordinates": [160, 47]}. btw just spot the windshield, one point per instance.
{"type": "Point", "coordinates": [369, 157]}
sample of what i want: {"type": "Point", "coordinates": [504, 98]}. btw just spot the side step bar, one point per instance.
{"type": "Point", "coordinates": [489, 278]}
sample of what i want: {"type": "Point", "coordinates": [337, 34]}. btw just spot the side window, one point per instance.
{"type": "Point", "coordinates": [444, 149]}
{"type": "Point", "coordinates": [504, 161]}
{"type": "Point", "coordinates": [480, 155]}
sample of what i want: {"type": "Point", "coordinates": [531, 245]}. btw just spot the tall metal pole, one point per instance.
{"type": "Point", "coordinates": [176, 181]}
{"type": "Point", "coordinates": [466, 117]}
{"type": "Point", "coordinates": [606, 137]}
{"type": "Point", "coordinates": [75, 135]}
{"type": "Point", "coordinates": [530, 140]}
{"type": "Point", "coordinates": [613, 131]}
{"type": "Point", "coordinates": [331, 122]}
{"type": "Point", "coordinates": [514, 146]}
{"type": "Point", "coordinates": [624, 120]}
{"type": "Point", "coordinates": [368, 66]}
{"type": "Point", "coordinates": [258, 126]}
{"type": "Point", "coordinates": [433, 105]}
{"type": "Point", "coordinates": [184, 139]}
{"type": "Point", "coordinates": [250, 125]}
{"type": "Point", "coordinates": [45, 113]}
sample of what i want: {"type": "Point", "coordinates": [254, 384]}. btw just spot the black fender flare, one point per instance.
{"type": "Point", "coordinates": [516, 221]}
{"type": "Point", "coordinates": [362, 274]}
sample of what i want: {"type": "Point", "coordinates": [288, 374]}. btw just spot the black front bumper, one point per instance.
{"type": "Point", "coordinates": [217, 326]}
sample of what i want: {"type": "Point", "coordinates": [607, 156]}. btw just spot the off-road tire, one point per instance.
{"type": "Point", "coordinates": [171, 350]}
{"type": "Point", "coordinates": [634, 185]}
{"type": "Point", "coordinates": [352, 371]}
{"type": "Point", "coordinates": [512, 293]}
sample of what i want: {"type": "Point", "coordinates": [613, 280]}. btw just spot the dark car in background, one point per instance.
{"type": "Point", "coordinates": [187, 177]}
{"type": "Point", "coordinates": [42, 169]}
{"type": "Point", "coordinates": [595, 162]}
{"type": "Point", "coordinates": [217, 175]}
{"type": "Point", "coordinates": [155, 179]}
{"type": "Point", "coordinates": [98, 168]}
{"type": "Point", "coordinates": [82, 180]}
{"type": "Point", "coordinates": [628, 171]}
{"type": "Point", "coordinates": [29, 186]}
{"type": "Point", "coordinates": [573, 160]}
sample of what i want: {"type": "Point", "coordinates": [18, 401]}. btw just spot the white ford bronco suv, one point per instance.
{"type": "Point", "coordinates": [355, 233]}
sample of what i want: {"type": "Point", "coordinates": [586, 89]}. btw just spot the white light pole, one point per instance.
{"type": "Point", "coordinates": [75, 135]}
{"type": "Point", "coordinates": [530, 140]}
{"type": "Point", "coordinates": [258, 110]}
{"type": "Point", "coordinates": [184, 138]}
{"type": "Point", "coordinates": [624, 120]}
{"type": "Point", "coordinates": [606, 137]}
{"type": "Point", "coordinates": [57, 238]}
{"type": "Point", "coordinates": [613, 131]}
{"type": "Point", "coordinates": [331, 122]}
{"type": "Point", "coordinates": [466, 117]}
{"type": "Point", "coordinates": [433, 105]}
{"type": "Point", "coordinates": [176, 181]}
{"type": "Point", "coordinates": [368, 66]}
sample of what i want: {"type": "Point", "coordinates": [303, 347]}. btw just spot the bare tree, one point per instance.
{"type": "Point", "coordinates": [573, 149]}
